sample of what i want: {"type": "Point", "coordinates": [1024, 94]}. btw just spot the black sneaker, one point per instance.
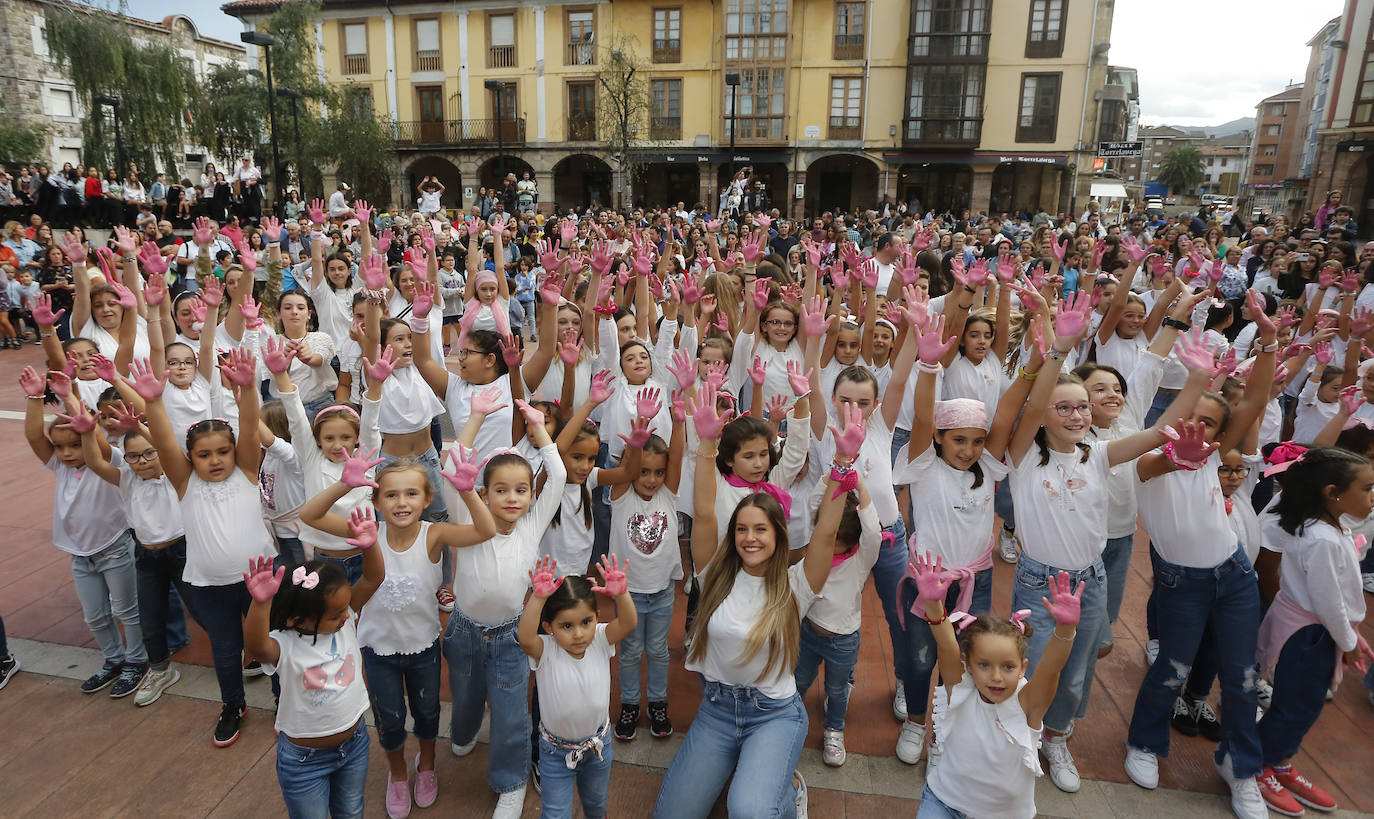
{"type": "Point", "coordinates": [227, 729]}
{"type": "Point", "coordinates": [9, 664]}
{"type": "Point", "coordinates": [253, 669]}
{"type": "Point", "coordinates": [1184, 718]}
{"type": "Point", "coordinates": [100, 679]}
{"type": "Point", "coordinates": [659, 724]}
{"type": "Point", "coordinates": [1207, 723]}
{"type": "Point", "coordinates": [130, 678]}
{"type": "Point", "coordinates": [628, 725]}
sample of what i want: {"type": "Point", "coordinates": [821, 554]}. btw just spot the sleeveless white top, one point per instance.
{"type": "Point", "coordinates": [401, 617]}
{"type": "Point", "coordinates": [224, 529]}
{"type": "Point", "coordinates": [408, 403]}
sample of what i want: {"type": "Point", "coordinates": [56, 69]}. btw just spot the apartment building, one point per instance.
{"type": "Point", "coordinates": [1343, 158]}
{"type": "Point", "coordinates": [1276, 152]}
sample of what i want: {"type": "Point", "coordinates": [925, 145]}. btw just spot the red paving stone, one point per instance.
{"type": "Point", "coordinates": [38, 602]}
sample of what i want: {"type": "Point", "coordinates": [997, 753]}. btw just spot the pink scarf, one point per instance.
{"type": "Point", "coordinates": [1284, 619]}
{"type": "Point", "coordinates": [766, 488]}
{"type": "Point", "coordinates": [964, 576]}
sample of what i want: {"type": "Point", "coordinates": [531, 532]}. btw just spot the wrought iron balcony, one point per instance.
{"type": "Point", "coordinates": [459, 133]}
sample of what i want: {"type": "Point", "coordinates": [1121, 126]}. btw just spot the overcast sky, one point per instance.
{"type": "Point", "coordinates": [1201, 62]}
{"type": "Point", "coordinates": [1205, 62]}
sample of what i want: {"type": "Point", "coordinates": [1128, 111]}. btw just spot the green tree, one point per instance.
{"type": "Point", "coordinates": [155, 84]}
{"type": "Point", "coordinates": [21, 141]}
{"type": "Point", "coordinates": [1181, 169]}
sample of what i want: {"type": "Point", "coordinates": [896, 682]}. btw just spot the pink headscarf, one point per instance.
{"type": "Point", "coordinates": [961, 413]}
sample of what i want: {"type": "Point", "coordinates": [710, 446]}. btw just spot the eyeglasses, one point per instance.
{"type": "Point", "coordinates": [140, 457]}
{"type": "Point", "coordinates": [181, 362]}
{"type": "Point", "coordinates": [465, 352]}
{"type": "Point", "coordinates": [1065, 410]}
{"type": "Point", "coordinates": [1233, 471]}
{"type": "Point", "coordinates": [780, 323]}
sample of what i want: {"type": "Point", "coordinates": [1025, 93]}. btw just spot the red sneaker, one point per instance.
{"type": "Point", "coordinates": [1275, 795]}
{"type": "Point", "coordinates": [1304, 791]}
{"type": "Point", "coordinates": [445, 599]}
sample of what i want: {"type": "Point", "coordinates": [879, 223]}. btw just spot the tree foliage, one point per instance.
{"type": "Point", "coordinates": [1182, 169]}
{"type": "Point", "coordinates": [21, 141]}
{"type": "Point", "coordinates": [624, 105]}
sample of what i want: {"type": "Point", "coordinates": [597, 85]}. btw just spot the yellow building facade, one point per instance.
{"type": "Point", "coordinates": [832, 104]}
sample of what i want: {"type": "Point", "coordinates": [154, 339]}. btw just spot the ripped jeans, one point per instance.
{"type": "Point", "coordinates": [1221, 603]}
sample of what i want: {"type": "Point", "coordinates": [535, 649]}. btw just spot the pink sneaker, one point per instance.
{"type": "Point", "coordinates": [426, 785]}
{"type": "Point", "coordinates": [397, 798]}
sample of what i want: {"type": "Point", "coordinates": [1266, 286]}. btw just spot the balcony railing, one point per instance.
{"type": "Point", "coordinates": [460, 132]}
{"type": "Point", "coordinates": [665, 128]}
{"type": "Point", "coordinates": [667, 51]}
{"type": "Point", "coordinates": [849, 46]}
{"type": "Point", "coordinates": [580, 53]}
{"type": "Point", "coordinates": [501, 56]}
{"type": "Point", "coordinates": [428, 61]}
{"type": "Point", "coordinates": [845, 128]}
{"type": "Point", "coordinates": [581, 129]}
{"type": "Point", "coordinates": [954, 131]}
{"type": "Point", "coordinates": [355, 63]}
{"type": "Point", "coordinates": [949, 47]}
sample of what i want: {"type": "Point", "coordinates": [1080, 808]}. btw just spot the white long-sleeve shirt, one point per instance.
{"type": "Point", "coordinates": [1321, 573]}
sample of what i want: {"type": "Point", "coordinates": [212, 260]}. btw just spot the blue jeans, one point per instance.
{"type": "Point", "coordinates": [291, 552]}
{"type": "Point", "coordinates": [221, 610]}
{"type": "Point", "coordinates": [736, 729]}
{"type": "Point", "coordinates": [159, 575]}
{"type": "Point", "coordinates": [592, 777]}
{"type": "Point", "coordinates": [1001, 504]}
{"type": "Point", "coordinates": [840, 653]}
{"type": "Point", "coordinates": [933, 808]}
{"type": "Point", "coordinates": [1221, 603]}
{"type": "Point", "coordinates": [920, 642]}
{"type": "Point", "coordinates": [887, 572]}
{"type": "Point", "coordinates": [351, 566]}
{"type": "Point", "coordinates": [107, 586]}
{"type": "Point", "coordinates": [394, 678]}
{"type": "Point", "coordinates": [601, 509]}
{"type": "Point", "coordinates": [650, 635]}
{"type": "Point", "coordinates": [485, 664]}
{"type": "Point", "coordinates": [1076, 679]}
{"type": "Point", "coordinates": [320, 783]}
{"type": "Point", "coordinates": [1161, 402]}
{"type": "Point", "coordinates": [1301, 678]}
{"type": "Point", "coordinates": [437, 510]}
{"type": "Point", "coordinates": [1116, 559]}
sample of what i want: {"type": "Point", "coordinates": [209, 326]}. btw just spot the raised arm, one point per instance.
{"type": "Point", "coordinates": [34, 386]}
{"type": "Point", "coordinates": [709, 424]}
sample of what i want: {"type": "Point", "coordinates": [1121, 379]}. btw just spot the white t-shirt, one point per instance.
{"type": "Point", "coordinates": [335, 309]}
{"type": "Point", "coordinates": [322, 690]}
{"type": "Point", "coordinates": [574, 694]}
{"type": "Point", "coordinates": [985, 381]}
{"type": "Point", "coordinates": [1185, 516]}
{"type": "Point", "coordinates": [429, 201]}
{"type": "Point", "coordinates": [1061, 507]}
{"type": "Point", "coordinates": [978, 738]}
{"type": "Point", "coordinates": [87, 513]}
{"type": "Point", "coordinates": [728, 632]}
{"type": "Point", "coordinates": [1122, 353]}
{"type": "Point", "coordinates": [951, 519]}
{"type": "Point", "coordinates": [644, 538]}
{"type": "Point", "coordinates": [187, 406]}
{"type": "Point", "coordinates": [496, 428]}
{"type": "Point", "coordinates": [570, 542]}
{"type": "Point", "coordinates": [1142, 384]}
{"type": "Point", "coordinates": [108, 343]}
{"type": "Point", "coordinates": [281, 483]}
{"type": "Point", "coordinates": [312, 382]}
{"type": "Point", "coordinates": [838, 608]}
{"type": "Point", "coordinates": [1313, 414]}
{"type": "Point", "coordinates": [151, 507]}
{"type": "Point", "coordinates": [224, 530]}
{"type": "Point", "coordinates": [408, 403]}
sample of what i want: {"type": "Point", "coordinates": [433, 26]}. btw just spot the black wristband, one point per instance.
{"type": "Point", "coordinates": [1180, 326]}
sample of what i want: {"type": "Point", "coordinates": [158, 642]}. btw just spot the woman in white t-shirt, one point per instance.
{"type": "Point", "coordinates": [304, 630]}
{"type": "Point", "coordinates": [745, 639]}
{"type": "Point", "coordinates": [572, 669]}
{"type": "Point", "coordinates": [311, 352]}
{"type": "Point", "coordinates": [1059, 486]}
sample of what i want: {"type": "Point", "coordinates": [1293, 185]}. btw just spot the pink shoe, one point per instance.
{"type": "Point", "coordinates": [426, 785]}
{"type": "Point", "coordinates": [397, 798]}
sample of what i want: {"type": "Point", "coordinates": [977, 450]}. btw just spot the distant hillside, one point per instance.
{"type": "Point", "coordinates": [1235, 126]}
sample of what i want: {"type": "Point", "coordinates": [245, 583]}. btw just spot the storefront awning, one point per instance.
{"type": "Point", "coordinates": [1108, 190]}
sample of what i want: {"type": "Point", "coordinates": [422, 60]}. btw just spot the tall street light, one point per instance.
{"type": "Point", "coordinates": [289, 94]}
{"type": "Point", "coordinates": [266, 41]}
{"type": "Point", "coordinates": [113, 102]}
{"type": "Point", "coordinates": [732, 80]}
{"type": "Point", "coordinates": [498, 89]}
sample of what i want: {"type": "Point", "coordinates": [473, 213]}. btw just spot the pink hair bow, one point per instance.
{"type": "Point", "coordinates": [308, 580]}
{"type": "Point", "coordinates": [1018, 619]}
{"type": "Point", "coordinates": [961, 620]}
{"type": "Point", "coordinates": [1283, 456]}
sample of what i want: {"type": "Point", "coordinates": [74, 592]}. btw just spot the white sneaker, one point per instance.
{"type": "Point", "coordinates": [1142, 767]}
{"type": "Point", "coordinates": [463, 750]}
{"type": "Point", "coordinates": [1151, 651]}
{"type": "Point", "coordinates": [801, 795]}
{"type": "Point", "coordinates": [154, 683]}
{"type": "Point", "coordinates": [1063, 773]}
{"type": "Point", "coordinates": [911, 742]}
{"type": "Point", "coordinates": [933, 755]}
{"type": "Point", "coordinates": [510, 805]}
{"type": "Point", "coordinates": [1007, 542]}
{"type": "Point", "coordinates": [1246, 799]}
{"type": "Point", "coordinates": [1264, 692]}
{"type": "Point", "coordinates": [899, 703]}
{"type": "Point", "coordinates": [832, 748]}
{"type": "Point", "coordinates": [1368, 582]}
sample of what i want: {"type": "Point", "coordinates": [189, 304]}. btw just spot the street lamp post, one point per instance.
{"type": "Point", "coordinates": [498, 89]}
{"type": "Point", "coordinates": [732, 80]}
{"type": "Point", "coordinates": [113, 102]}
{"type": "Point", "coordinates": [289, 94]}
{"type": "Point", "coordinates": [266, 41]}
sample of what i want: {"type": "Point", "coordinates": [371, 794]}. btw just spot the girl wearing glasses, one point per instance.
{"type": "Point", "coordinates": [1059, 489]}
{"type": "Point", "coordinates": [768, 339]}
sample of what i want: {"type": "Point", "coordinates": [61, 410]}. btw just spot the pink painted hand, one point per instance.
{"type": "Point", "coordinates": [1196, 351]}
{"type": "Point", "coordinates": [930, 347]}
{"type": "Point", "coordinates": [488, 401]}
{"type": "Point", "coordinates": [613, 580]}
{"type": "Point", "coordinates": [683, 366]}
{"type": "Point", "coordinates": [932, 581]}
{"type": "Point", "coordinates": [60, 383]}
{"type": "Point", "coordinates": [603, 384]}
{"type": "Point", "coordinates": [238, 369]}
{"type": "Point", "coordinates": [152, 260]}
{"type": "Point", "coordinates": [1351, 400]}
{"type": "Point", "coordinates": [155, 291]}
{"type": "Point", "coordinates": [316, 211]}
{"type": "Point", "coordinates": [648, 402]}
{"type": "Point", "coordinates": [104, 368]}
{"type": "Point", "coordinates": [423, 302]}
{"type": "Point", "coordinates": [357, 465]}
{"type": "Point", "coordinates": [203, 232]}
{"type": "Point", "coordinates": [552, 290]}
{"type": "Point", "coordinates": [262, 581]}
{"type": "Point", "coordinates": [679, 406]}
{"type": "Point", "coordinates": [212, 293]}
{"type": "Point", "coordinates": [534, 416]}
{"type": "Point", "coordinates": [715, 374]}
{"type": "Point", "coordinates": [381, 369]}
{"type": "Point", "coordinates": [145, 382]}
{"type": "Point", "coordinates": [544, 580]}
{"type": "Point", "coordinates": [759, 372]}
{"type": "Point", "coordinates": [799, 380]}
{"type": "Point", "coordinates": [80, 421]}
{"type": "Point", "coordinates": [639, 432]}
{"type": "Point", "coordinates": [511, 351]}
{"type": "Point", "coordinates": [815, 322]}
{"type": "Point", "coordinates": [465, 469]}
{"type": "Point", "coordinates": [1191, 443]}
{"type": "Point", "coordinates": [1064, 604]}
{"type": "Point", "coordinates": [707, 420]}
{"type": "Point", "coordinates": [32, 383]}
{"type": "Point", "coordinates": [851, 437]}
{"type": "Point", "coordinates": [364, 528]}
{"type": "Point", "coordinates": [373, 269]}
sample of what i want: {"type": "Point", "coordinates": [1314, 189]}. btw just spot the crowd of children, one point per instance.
{"type": "Point", "coordinates": [771, 434]}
